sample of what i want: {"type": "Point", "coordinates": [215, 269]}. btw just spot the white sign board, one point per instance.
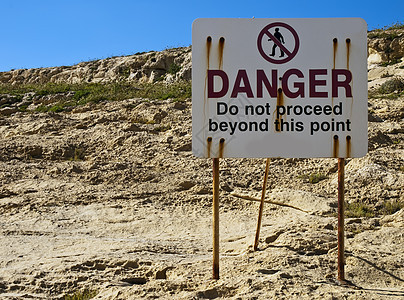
{"type": "Point", "coordinates": [279, 87]}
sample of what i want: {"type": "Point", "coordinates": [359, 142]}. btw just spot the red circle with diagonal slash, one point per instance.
{"type": "Point", "coordinates": [289, 54]}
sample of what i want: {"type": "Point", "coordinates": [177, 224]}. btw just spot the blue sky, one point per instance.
{"type": "Point", "coordinates": [46, 33]}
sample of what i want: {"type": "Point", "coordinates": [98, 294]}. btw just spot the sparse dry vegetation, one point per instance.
{"type": "Point", "coordinates": [72, 95]}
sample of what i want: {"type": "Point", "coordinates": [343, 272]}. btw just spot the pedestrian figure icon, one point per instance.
{"type": "Point", "coordinates": [278, 33]}
{"type": "Point", "coordinates": [280, 38]}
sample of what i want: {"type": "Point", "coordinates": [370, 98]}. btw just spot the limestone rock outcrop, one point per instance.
{"type": "Point", "coordinates": [385, 46]}
{"type": "Point", "coordinates": [169, 65]}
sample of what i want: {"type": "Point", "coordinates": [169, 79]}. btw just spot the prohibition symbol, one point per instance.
{"type": "Point", "coordinates": [273, 33]}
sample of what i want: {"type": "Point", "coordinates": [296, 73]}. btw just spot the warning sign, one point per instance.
{"type": "Point", "coordinates": [279, 88]}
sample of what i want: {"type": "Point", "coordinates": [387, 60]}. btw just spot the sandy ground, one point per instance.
{"type": "Point", "coordinates": [109, 197]}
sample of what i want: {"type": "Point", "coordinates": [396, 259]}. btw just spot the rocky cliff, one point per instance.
{"type": "Point", "coordinates": [168, 65]}
{"type": "Point", "coordinates": [385, 47]}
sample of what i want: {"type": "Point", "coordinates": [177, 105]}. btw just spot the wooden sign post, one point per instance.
{"type": "Point", "coordinates": [264, 188]}
{"type": "Point", "coordinates": [215, 218]}
{"type": "Point", "coordinates": [341, 211]}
